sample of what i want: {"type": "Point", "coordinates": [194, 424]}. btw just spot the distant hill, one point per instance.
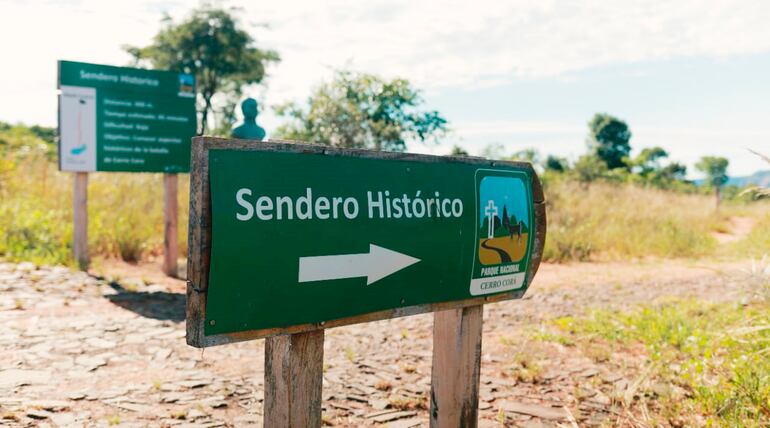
{"type": "Point", "coordinates": [759, 178]}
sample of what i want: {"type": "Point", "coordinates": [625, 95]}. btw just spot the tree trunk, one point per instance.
{"type": "Point", "coordinates": [718, 195]}
{"type": "Point", "coordinates": [205, 113]}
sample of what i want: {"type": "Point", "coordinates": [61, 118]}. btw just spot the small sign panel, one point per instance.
{"type": "Point", "coordinates": [302, 237]}
{"type": "Point", "coordinates": [124, 119]}
{"type": "Point", "coordinates": [504, 219]}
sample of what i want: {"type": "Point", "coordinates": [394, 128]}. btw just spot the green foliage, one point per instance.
{"type": "Point", "coordinates": [556, 164]}
{"type": "Point", "coordinates": [609, 140]}
{"type": "Point", "coordinates": [496, 225]}
{"type": "Point", "coordinates": [715, 169]}
{"type": "Point", "coordinates": [527, 155]}
{"type": "Point", "coordinates": [33, 234]}
{"type": "Point", "coordinates": [589, 168]}
{"type": "Point", "coordinates": [602, 221]}
{"type": "Point", "coordinates": [360, 110]}
{"type": "Point", "coordinates": [502, 226]}
{"type": "Point", "coordinates": [648, 161]}
{"type": "Point", "coordinates": [674, 171]}
{"type": "Point", "coordinates": [45, 133]}
{"type": "Point", "coordinates": [132, 227]}
{"type": "Point", "coordinates": [501, 232]}
{"type": "Point", "coordinates": [18, 142]}
{"type": "Point", "coordinates": [648, 170]}
{"type": "Point", "coordinates": [33, 227]}
{"type": "Point", "coordinates": [211, 44]}
{"type": "Point", "coordinates": [757, 243]}
{"type": "Point", "coordinates": [494, 151]}
{"type": "Point", "coordinates": [608, 160]}
{"type": "Point", "coordinates": [718, 353]}
{"type": "Point", "coordinates": [125, 210]}
{"type": "Point", "coordinates": [458, 151]}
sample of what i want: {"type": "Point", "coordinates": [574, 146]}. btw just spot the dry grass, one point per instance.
{"type": "Point", "coordinates": [125, 213]}
{"type": "Point", "coordinates": [716, 355]}
{"type": "Point", "coordinates": [757, 243]}
{"type": "Point", "coordinates": [606, 221]}
{"type": "Point", "coordinates": [598, 221]}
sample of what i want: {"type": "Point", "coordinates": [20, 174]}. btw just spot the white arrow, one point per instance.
{"type": "Point", "coordinates": [376, 264]}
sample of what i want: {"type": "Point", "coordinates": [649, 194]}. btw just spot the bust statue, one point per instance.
{"type": "Point", "coordinates": [249, 130]}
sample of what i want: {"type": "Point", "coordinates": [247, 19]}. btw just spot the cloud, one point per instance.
{"type": "Point", "coordinates": [460, 43]}
{"type": "Point", "coordinates": [439, 45]}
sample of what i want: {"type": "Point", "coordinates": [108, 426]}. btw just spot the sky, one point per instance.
{"type": "Point", "coordinates": [690, 75]}
{"type": "Point", "coordinates": [504, 191]}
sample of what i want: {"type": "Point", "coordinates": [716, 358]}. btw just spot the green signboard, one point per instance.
{"type": "Point", "coordinates": [308, 236]}
{"type": "Point", "coordinates": [124, 119]}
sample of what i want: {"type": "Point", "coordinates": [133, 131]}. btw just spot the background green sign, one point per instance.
{"type": "Point", "coordinates": [124, 119]}
{"type": "Point", "coordinates": [303, 238]}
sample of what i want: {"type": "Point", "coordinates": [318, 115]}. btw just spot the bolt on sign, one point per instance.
{"type": "Point", "coordinates": [124, 119]}
{"type": "Point", "coordinates": [289, 238]}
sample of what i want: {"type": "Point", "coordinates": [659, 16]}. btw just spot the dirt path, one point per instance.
{"type": "Point", "coordinates": [740, 227]}
{"type": "Point", "coordinates": [504, 257]}
{"type": "Point", "coordinates": [78, 351]}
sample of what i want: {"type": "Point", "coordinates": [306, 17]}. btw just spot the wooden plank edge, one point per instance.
{"type": "Point", "coordinates": [216, 143]}
{"type": "Point", "coordinates": [226, 338]}
{"type": "Point", "coordinates": [197, 267]}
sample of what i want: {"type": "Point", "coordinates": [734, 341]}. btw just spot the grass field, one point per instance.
{"type": "Point", "coordinates": [585, 222]}
{"type": "Point", "coordinates": [713, 359]}
{"type": "Point", "coordinates": [125, 214]}
{"type": "Point", "coordinates": [621, 222]}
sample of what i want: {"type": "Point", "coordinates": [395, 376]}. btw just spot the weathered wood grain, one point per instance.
{"type": "Point", "coordinates": [170, 222]}
{"type": "Point", "coordinates": [199, 240]}
{"type": "Point", "coordinates": [80, 219]}
{"type": "Point", "coordinates": [293, 380]}
{"type": "Point", "coordinates": [454, 397]}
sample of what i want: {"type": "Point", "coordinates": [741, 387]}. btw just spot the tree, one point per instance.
{"type": "Point", "coordinates": [715, 169]}
{"type": "Point", "coordinates": [360, 110]}
{"type": "Point", "coordinates": [527, 155]}
{"type": "Point", "coordinates": [506, 220]}
{"type": "Point", "coordinates": [648, 160]}
{"type": "Point", "coordinates": [211, 44]}
{"type": "Point", "coordinates": [589, 168]}
{"type": "Point", "coordinates": [674, 171]}
{"type": "Point", "coordinates": [555, 164]}
{"type": "Point", "coordinates": [609, 140]}
{"type": "Point", "coordinates": [45, 133]}
{"type": "Point", "coordinates": [493, 151]}
{"type": "Point", "coordinates": [458, 151]}
{"type": "Point", "coordinates": [20, 141]}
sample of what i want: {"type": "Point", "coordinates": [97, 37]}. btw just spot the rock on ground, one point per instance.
{"type": "Point", "coordinates": [83, 351]}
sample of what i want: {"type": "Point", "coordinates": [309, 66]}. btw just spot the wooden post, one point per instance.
{"type": "Point", "coordinates": [293, 380]}
{"type": "Point", "coordinates": [454, 396]}
{"type": "Point", "coordinates": [80, 219]}
{"type": "Point", "coordinates": [170, 221]}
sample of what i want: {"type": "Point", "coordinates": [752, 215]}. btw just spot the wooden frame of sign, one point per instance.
{"type": "Point", "coordinates": [80, 177]}
{"type": "Point", "coordinates": [294, 355]}
{"type": "Point", "coordinates": [170, 221]}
